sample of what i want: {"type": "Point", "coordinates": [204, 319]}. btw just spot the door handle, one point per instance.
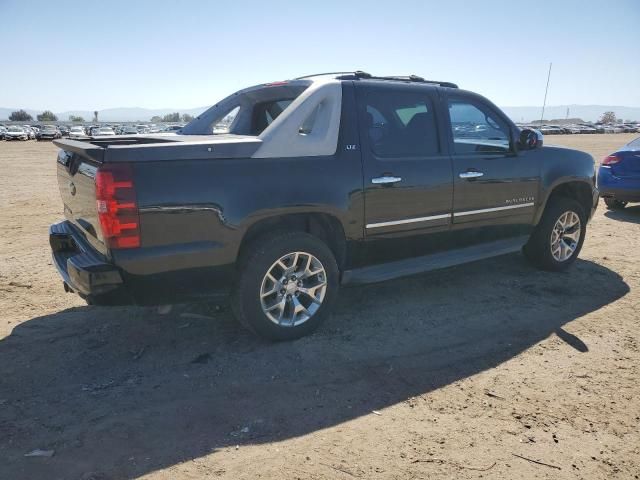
{"type": "Point", "coordinates": [470, 174]}
{"type": "Point", "coordinates": [385, 180]}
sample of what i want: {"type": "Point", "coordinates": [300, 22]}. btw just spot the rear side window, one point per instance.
{"type": "Point", "coordinates": [400, 123]}
{"type": "Point", "coordinates": [476, 129]}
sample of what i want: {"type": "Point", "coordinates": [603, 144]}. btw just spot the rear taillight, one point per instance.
{"type": "Point", "coordinates": [611, 159]}
{"type": "Point", "coordinates": [117, 207]}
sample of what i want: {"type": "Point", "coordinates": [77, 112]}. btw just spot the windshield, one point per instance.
{"type": "Point", "coordinates": [15, 129]}
{"type": "Point", "coordinates": [249, 111]}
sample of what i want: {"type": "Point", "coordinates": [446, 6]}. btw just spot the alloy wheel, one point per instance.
{"type": "Point", "coordinates": [565, 236]}
{"type": "Point", "coordinates": [293, 289]}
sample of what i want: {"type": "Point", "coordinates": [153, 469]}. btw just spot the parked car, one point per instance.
{"type": "Point", "coordinates": [619, 176]}
{"type": "Point", "coordinates": [30, 131]}
{"type": "Point", "coordinates": [552, 130]}
{"type": "Point", "coordinates": [102, 131]}
{"type": "Point", "coordinates": [571, 129]}
{"type": "Point", "coordinates": [64, 130]}
{"type": "Point", "coordinates": [319, 181]}
{"type": "Point", "coordinates": [77, 132]}
{"type": "Point", "coordinates": [49, 132]}
{"type": "Point", "coordinates": [128, 131]}
{"type": "Point", "coordinates": [172, 128]}
{"type": "Point", "coordinates": [586, 128]}
{"type": "Point", "coordinates": [16, 133]}
{"type": "Point", "coordinates": [3, 130]}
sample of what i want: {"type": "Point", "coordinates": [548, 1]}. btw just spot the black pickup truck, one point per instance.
{"type": "Point", "coordinates": [282, 192]}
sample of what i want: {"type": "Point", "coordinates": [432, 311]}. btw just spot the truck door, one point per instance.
{"type": "Point", "coordinates": [408, 182]}
{"type": "Point", "coordinates": [494, 188]}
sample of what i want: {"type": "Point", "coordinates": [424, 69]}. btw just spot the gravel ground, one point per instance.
{"type": "Point", "coordinates": [478, 371]}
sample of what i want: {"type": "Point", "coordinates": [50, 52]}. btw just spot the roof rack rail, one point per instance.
{"type": "Point", "coordinates": [329, 73]}
{"type": "Point", "coordinates": [359, 74]}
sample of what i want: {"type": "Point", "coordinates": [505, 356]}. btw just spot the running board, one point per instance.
{"type": "Point", "coordinates": [435, 261]}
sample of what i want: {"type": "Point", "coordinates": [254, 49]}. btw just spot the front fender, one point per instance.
{"type": "Point", "coordinates": [563, 166]}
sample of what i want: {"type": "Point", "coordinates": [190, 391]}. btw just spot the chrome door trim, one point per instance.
{"type": "Point", "coordinates": [385, 180]}
{"type": "Point", "coordinates": [408, 220]}
{"type": "Point", "coordinates": [494, 209]}
{"type": "Point", "coordinates": [470, 174]}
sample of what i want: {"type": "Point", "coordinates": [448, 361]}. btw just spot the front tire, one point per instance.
{"type": "Point", "coordinates": [613, 204]}
{"type": "Point", "coordinates": [557, 239]}
{"type": "Point", "coordinates": [286, 287]}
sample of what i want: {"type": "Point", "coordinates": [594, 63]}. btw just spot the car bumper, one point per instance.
{"type": "Point", "coordinates": [625, 189]}
{"type": "Point", "coordinates": [87, 272]}
{"type": "Point", "coordinates": [83, 269]}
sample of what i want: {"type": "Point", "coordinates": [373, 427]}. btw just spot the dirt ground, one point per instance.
{"type": "Point", "coordinates": [453, 374]}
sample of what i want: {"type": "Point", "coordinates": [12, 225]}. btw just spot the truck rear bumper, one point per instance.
{"type": "Point", "coordinates": [95, 278]}
{"type": "Point", "coordinates": [82, 268]}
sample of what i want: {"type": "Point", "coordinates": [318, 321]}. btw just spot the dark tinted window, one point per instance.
{"type": "Point", "coordinates": [400, 124]}
{"type": "Point", "coordinates": [476, 129]}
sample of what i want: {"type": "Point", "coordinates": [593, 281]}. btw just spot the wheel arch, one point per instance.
{"type": "Point", "coordinates": [326, 227]}
{"type": "Point", "coordinates": [579, 190]}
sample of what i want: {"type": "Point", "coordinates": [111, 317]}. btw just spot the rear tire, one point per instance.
{"type": "Point", "coordinates": [613, 204]}
{"type": "Point", "coordinates": [552, 247]}
{"type": "Point", "coordinates": [295, 307]}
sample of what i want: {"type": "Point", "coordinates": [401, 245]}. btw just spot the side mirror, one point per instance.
{"type": "Point", "coordinates": [530, 139]}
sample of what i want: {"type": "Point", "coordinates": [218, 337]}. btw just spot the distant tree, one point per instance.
{"type": "Point", "coordinates": [171, 117]}
{"type": "Point", "coordinates": [95, 116]}
{"type": "Point", "coordinates": [20, 116]}
{"type": "Point", "coordinates": [47, 116]}
{"type": "Point", "coordinates": [76, 119]}
{"type": "Point", "coordinates": [608, 117]}
{"type": "Point", "coordinates": [156, 119]}
{"type": "Point", "coordinates": [186, 117]}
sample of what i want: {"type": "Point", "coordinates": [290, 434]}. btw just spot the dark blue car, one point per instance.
{"type": "Point", "coordinates": [619, 176]}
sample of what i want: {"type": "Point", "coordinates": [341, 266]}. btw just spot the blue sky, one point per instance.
{"type": "Point", "coordinates": [64, 55]}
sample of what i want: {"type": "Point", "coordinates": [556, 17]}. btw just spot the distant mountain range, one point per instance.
{"type": "Point", "coordinates": [517, 114]}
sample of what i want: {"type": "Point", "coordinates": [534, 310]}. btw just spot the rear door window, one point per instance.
{"type": "Point", "coordinates": [400, 123]}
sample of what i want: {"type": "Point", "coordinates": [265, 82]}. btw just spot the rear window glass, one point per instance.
{"type": "Point", "coordinates": [635, 143]}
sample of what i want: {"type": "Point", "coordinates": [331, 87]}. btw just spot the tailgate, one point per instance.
{"type": "Point", "coordinates": [76, 169]}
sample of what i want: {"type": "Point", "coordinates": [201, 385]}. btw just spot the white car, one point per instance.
{"type": "Point", "coordinates": [77, 132]}
{"type": "Point", "coordinates": [16, 133]}
{"type": "Point", "coordinates": [572, 129]}
{"type": "Point", "coordinates": [102, 131]}
{"type": "Point", "coordinates": [30, 131]}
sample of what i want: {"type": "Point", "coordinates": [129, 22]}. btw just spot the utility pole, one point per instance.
{"type": "Point", "coordinates": [544, 104]}
{"type": "Point", "coordinates": [567, 114]}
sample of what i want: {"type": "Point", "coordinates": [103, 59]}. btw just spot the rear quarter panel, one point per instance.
{"type": "Point", "coordinates": [199, 210]}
